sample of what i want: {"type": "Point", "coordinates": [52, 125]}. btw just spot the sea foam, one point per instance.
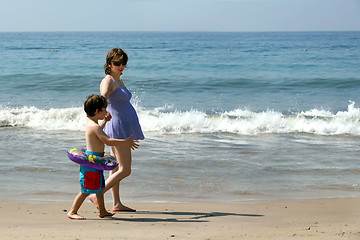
{"type": "Point", "coordinates": [44, 119]}
{"type": "Point", "coordinates": [238, 121]}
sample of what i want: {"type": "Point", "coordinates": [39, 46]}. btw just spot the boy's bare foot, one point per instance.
{"type": "Point", "coordinates": [106, 214]}
{"type": "Point", "coordinates": [75, 216]}
{"type": "Point", "coordinates": [93, 199]}
{"type": "Point", "coordinates": [122, 208]}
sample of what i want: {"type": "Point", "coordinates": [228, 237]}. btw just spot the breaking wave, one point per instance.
{"type": "Point", "coordinates": [159, 120]}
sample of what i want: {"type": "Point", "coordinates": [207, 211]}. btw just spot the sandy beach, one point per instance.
{"type": "Point", "coordinates": [315, 219]}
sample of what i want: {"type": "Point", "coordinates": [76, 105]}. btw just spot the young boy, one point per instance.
{"type": "Point", "coordinates": [92, 180]}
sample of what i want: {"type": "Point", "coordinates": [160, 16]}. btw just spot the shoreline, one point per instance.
{"type": "Point", "coordinates": [312, 219]}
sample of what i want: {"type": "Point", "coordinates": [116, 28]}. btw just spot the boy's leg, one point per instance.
{"type": "Point", "coordinates": [79, 199]}
{"type": "Point", "coordinates": [101, 206]}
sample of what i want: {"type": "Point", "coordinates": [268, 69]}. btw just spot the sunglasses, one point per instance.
{"type": "Point", "coordinates": [119, 63]}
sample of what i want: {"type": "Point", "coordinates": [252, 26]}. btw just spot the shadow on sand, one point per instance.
{"type": "Point", "coordinates": [180, 216]}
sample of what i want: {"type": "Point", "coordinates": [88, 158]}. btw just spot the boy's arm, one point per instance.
{"type": "Point", "coordinates": [116, 142]}
{"type": "Point", "coordinates": [106, 119]}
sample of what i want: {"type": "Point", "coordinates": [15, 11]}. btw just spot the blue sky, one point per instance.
{"type": "Point", "coordinates": [179, 15]}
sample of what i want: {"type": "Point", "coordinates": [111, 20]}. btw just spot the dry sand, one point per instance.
{"type": "Point", "coordinates": [316, 219]}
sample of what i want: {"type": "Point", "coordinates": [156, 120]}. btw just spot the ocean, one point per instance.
{"type": "Point", "coordinates": [235, 117]}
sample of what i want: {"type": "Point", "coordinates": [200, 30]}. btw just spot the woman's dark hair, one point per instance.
{"type": "Point", "coordinates": [112, 54]}
{"type": "Point", "coordinates": [94, 102]}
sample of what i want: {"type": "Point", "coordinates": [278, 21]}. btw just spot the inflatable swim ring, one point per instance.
{"type": "Point", "coordinates": [79, 156]}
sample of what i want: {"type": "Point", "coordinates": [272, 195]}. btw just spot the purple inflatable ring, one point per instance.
{"type": "Point", "coordinates": [79, 156]}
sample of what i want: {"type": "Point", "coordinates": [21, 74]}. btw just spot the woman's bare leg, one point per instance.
{"type": "Point", "coordinates": [123, 156]}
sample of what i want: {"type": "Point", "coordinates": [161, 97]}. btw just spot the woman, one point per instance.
{"type": "Point", "coordinates": [124, 121]}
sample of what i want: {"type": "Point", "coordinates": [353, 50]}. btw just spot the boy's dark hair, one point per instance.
{"type": "Point", "coordinates": [94, 102]}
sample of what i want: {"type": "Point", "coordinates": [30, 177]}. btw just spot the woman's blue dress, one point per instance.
{"type": "Point", "coordinates": [124, 121]}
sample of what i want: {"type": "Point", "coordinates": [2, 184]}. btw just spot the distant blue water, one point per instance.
{"type": "Point", "coordinates": [248, 115]}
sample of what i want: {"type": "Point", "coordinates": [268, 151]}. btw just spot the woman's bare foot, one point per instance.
{"type": "Point", "coordinates": [106, 214]}
{"type": "Point", "coordinates": [75, 216]}
{"type": "Point", "coordinates": [122, 208]}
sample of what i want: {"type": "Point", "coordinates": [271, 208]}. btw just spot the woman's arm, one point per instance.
{"type": "Point", "coordinates": [107, 87]}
